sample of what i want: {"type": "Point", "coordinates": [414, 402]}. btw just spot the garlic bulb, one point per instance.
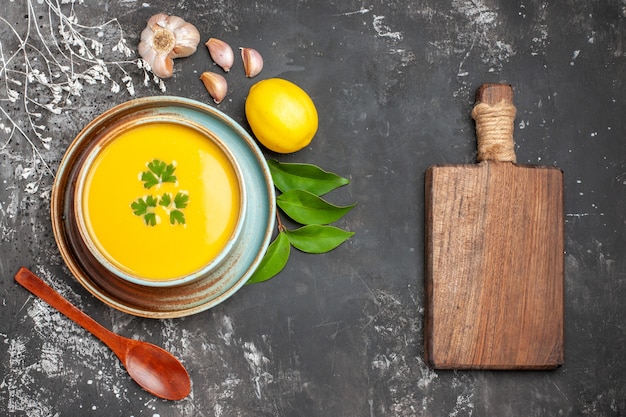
{"type": "Point", "coordinates": [252, 62]}
{"type": "Point", "coordinates": [215, 84]}
{"type": "Point", "coordinates": [165, 38]}
{"type": "Point", "coordinates": [221, 53]}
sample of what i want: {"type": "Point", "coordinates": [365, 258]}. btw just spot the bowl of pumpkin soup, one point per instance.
{"type": "Point", "coordinates": [163, 207]}
{"type": "Point", "coordinates": [159, 202]}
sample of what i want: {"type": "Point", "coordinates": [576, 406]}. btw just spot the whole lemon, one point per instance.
{"type": "Point", "coordinates": [281, 115]}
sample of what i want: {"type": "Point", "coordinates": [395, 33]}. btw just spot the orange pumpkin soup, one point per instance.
{"type": "Point", "coordinates": [160, 201]}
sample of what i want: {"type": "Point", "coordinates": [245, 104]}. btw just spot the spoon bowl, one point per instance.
{"type": "Point", "coordinates": [161, 373]}
{"type": "Point", "coordinates": [153, 368]}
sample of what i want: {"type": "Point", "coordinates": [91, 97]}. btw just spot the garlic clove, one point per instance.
{"type": "Point", "coordinates": [252, 62]}
{"type": "Point", "coordinates": [174, 22]}
{"type": "Point", "coordinates": [145, 48]}
{"type": "Point", "coordinates": [215, 84]}
{"type": "Point", "coordinates": [221, 53]}
{"type": "Point", "coordinates": [187, 40]}
{"type": "Point", "coordinates": [162, 66]}
{"type": "Point", "coordinates": [158, 20]}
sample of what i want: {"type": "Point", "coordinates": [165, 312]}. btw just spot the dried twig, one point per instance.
{"type": "Point", "coordinates": [48, 69]}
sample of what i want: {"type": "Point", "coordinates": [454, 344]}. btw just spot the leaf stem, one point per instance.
{"type": "Point", "coordinates": [279, 223]}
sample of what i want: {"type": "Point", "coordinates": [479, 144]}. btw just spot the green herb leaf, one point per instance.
{"type": "Point", "coordinates": [143, 207]}
{"type": "Point", "coordinates": [139, 207]}
{"type": "Point", "coordinates": [151, 201]}
{"type": "Point", "coordinates": [166, 200]}
{"type": "Point", "coordinates": [274, 260]}
{"type": "Point", "coordinates": [168, 174]}
{"type": "Point", "coordinates": [149, 179]}
{"type": "Point", "coordinates": [181, 200]}
{"type": "Point", "coordinates": [150, 219]}
{"type": "Point", "coordinates": [157, 166]}
{"type": "Point", "coordinates": [291, 176]}
{"type": "Point", "coordinates": [317, 238]}
{"type": "Point", "coordinates": [177, 216]}
{"type": "Point", "coordinates": [307, 208]}
{"type": "Point", "coordinates": [159, 172]}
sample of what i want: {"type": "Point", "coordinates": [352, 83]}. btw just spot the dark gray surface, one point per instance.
{"type": "Point", "coordinates": [341, 334]}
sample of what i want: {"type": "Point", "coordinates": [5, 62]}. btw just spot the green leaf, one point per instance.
{"type": "Point", "coordinates": [139, 207]}
{"type": "Point", "coordinates": [156, 166]}
{"type": "Point", "coordinates": [181, 200]}
{"type": "Point", "coordinates": [150, 219]}
{"type": "Point", "coordinates": [317, 238]}
{"type": "Point", "coordinates": [149, 179]}
{"type": "Point", "coordinates": [158, 173]}
{"type": "Point", "coordinates": [274, 260]}
{"type": "Point", "coordinates": [166, 200]}
{"type": "Point", "coordinates": [143, 207]}
{"type": "Point", "coordinates": [177, 216]}
{"type": "Point", "coordinates": [311, 178]}
{"type": "Point", "coordinates": [168, 174]}
{"type": "Point", "coordinates": [151, 201]}
{"type": "Point", "coordinates": [307, 208]}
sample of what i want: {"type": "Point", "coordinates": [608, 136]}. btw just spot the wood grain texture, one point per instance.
{"type": "Point", "coordinates": [494, 266]}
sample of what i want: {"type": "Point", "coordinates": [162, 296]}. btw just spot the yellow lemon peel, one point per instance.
{"type": "Point", "coordinates": [281, 115]}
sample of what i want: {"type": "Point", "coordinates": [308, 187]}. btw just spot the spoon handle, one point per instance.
{"type": "Point", "coordinates": [42, 290]}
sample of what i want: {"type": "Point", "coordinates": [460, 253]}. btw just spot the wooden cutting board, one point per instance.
{"type": "Point", "coordinates": [494, 253]}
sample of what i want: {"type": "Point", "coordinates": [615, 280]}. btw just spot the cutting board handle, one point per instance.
{"type": "Point", "coordinates": [494, 114]}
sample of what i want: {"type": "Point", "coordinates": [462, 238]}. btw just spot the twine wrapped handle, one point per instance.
{"type": "Point", "coordinates": [494, 114]}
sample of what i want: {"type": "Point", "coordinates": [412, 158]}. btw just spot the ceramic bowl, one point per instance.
{"type": "Point", "coordinates": [173, 296]}
{"type": "Point", "coordinates": [86, 240]}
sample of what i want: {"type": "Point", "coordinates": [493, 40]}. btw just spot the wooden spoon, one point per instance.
{"type": "Point", "coordinates": [154, 369]}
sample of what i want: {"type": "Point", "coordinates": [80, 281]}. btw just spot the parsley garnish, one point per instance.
{"type": "Point", "coordinates": [177, 216]}
{"type": "Point", "coordinates": [180, 202]}
{"type": "Point", "coordinates": [145, 207]}
{"type": "Point", "coordinates": [166, 200]}
{"type": "Point", "coordinates": [159, 172]}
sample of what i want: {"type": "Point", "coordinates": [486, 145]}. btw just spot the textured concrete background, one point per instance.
{"type": "Point", "coordinates": [337, 334]}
